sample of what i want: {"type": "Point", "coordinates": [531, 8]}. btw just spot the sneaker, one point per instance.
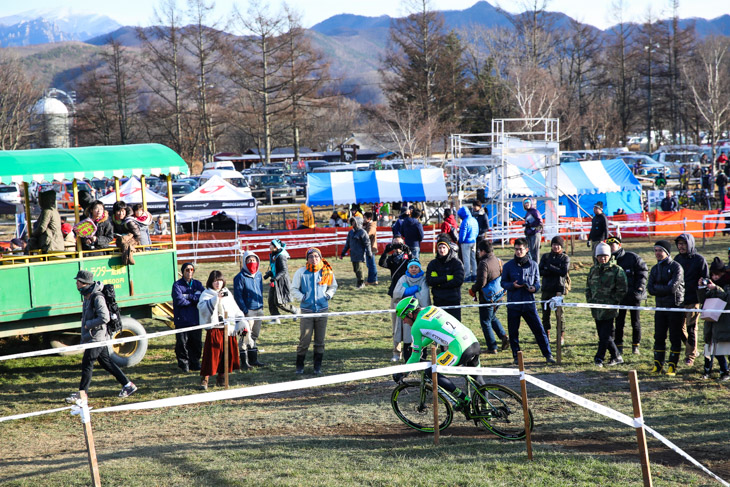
{"type": "Point", "coordinates": [707, 376]}
{"type": "Point", "coordinates": [492, 352]}
{"type": "Point", "coordinates": [505, 343]}
{"type": "Point", "coordinates": [598, 363]}
{"type": "Point", "coordinates": [462, 404]}
{"type": "Point", "coordinates": [725, 376]}
{"type": "Point", "coordinates": [299, 371]}
{"type": "Point", "coordinates": [689, 362]}
{"type": "Point", "coordinates": [395, 357]}
{"type": "Point", "coordinates": [671, 369]}
{"type": "Point", "coordinates": [616, 361]}
{"type": "Point", "coordinates": [635, 350]}
{"type": "Point", "coordinates": [73, 398]}
{"type": "Point", "coordinates": [128, 390]}
{"type": "Point", "coordinates": [550, 360]}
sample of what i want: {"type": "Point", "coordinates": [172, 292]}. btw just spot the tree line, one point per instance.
{"type": "Point", "coordinates": [199, 89]}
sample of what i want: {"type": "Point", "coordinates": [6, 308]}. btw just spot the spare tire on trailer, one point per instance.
{"type": "Point", "coordinates": [129, 353]}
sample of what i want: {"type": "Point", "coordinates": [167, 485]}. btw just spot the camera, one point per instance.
{"type": "Point", "coordinates": [704, 282]}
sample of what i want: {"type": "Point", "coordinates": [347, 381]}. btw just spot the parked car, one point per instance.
{"type": "Point", "coordinates": [10, 193]}
{"type": "Point", "coordinates": [65, 192]}
{"type": "Point", "coordinates": [180, 189]}
{"type": "Point", "coordinates": [675, 160]}
{"type": "Point", "coordinates": [642, 165]}
{"type": "Point", "coordinates": [272, 188]}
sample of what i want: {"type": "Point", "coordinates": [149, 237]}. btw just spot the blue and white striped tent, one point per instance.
{"type": "Point", "coordinates": [580, 183]}
{"type": "Point", "coordinates": [339, 188]}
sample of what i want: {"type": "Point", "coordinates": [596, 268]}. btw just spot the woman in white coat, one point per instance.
{"type": "Point", "coordinates": [217, 305]}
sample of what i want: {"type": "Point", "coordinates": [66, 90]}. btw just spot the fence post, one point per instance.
{"type": "Point", "coordinates": [640, 434]}
{"type": "Point", "coordinates": [525, 408]}
{"type": "Point", "coordinates": [435, 390]}
{"type": "Point", "coordinates": [89, 438]}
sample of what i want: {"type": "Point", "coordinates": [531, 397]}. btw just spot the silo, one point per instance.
{"type": "Point", "coordinates": [51, 123]}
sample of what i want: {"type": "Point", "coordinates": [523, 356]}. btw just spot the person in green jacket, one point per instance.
{"type": "Point", "coordinates": [433, 324]}
{"type": "Point", "coordinates": [606, 284]}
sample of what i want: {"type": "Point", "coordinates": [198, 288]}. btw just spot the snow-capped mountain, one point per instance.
{"type": "Point", "coordinates": [65, 23]}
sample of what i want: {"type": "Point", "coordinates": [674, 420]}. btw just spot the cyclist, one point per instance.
{"type": "Point", "coordinates": [433, 324]}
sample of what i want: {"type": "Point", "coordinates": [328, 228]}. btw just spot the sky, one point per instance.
{"type": "Point", "coordinates": [596, 12]}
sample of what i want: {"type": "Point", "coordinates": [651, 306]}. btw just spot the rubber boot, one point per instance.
{"type": "Point", "coordinates": [244, 361]}
{"type": "Point", "coordinates": [407, 351]}
{"type": "Point", "coordinates": [253, 357]}
{"type": "Point", "coordinates": [220, 380]}
{"type": "Point", "coordinates": [658, 361]}
{"type": "Point", "coordinates": [673, 360]}
{"type": "Point", "coordinates": [318, 363]}
{"type": "Point", "coordinates": [300, 364]}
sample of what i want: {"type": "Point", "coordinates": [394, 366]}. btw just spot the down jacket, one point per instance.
{"type": "Point", "coordinates": [445, 275]}
{"type": "Point", "coordinates": [524, 271]}
{"type": "Point", "coordinates": [636, 275]}
{"type": "Point", "coordinates": [47, 230]}
{"type": "Point", "coordinates": [666, 282]}
{"type": "Point", "coordinates": [94, 314]}
{"type": "Point", "coordinates": [554, 269]}
{"type": "Point", "coordinates": [694, 267]}
{"type": "Point", "coordinates": [358, 243]}
{"type": "Point", "coordinates": [469, 228]}
{"type": "Point", "coordinates": [185, 302]}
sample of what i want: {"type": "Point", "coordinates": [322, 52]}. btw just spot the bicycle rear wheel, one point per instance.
{"type": "Point", "coordinates": [499, 410]}
{"type": "Point", "coordinates": [417, 412]}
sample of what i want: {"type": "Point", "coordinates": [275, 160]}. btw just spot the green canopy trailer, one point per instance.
{"type": "Point", "coordinates": [37, 292]}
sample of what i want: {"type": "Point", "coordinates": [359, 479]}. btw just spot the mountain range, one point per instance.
{"type": "Point", "coordinates": [47, 41]}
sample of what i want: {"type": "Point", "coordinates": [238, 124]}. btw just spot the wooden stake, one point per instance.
{"type": "Point", "coordinates": [525, 408]}
{"type": "Point", "coordinates": [225, 353]}
{"type": "Point", "coordinates": [640, 434]}
{"type": "Point", "coordinates": [435, 390]}
{"type": "Point", "coordinates": [89, 437]}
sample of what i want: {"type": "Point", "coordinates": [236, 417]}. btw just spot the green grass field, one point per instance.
{"type": "Point", "coordinates": [347, 434]}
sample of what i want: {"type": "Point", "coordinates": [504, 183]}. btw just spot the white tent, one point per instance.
{"type": "Point", "coordinates": [214, 197]}
{"type": "Point", "coordinates": [131, 193]}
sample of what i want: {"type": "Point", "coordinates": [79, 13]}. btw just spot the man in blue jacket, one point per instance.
{"type": "Point", "coordinates": [185, 295]}
{"type": "Point", "coordinates": [521, 279]}
{"type": "Point", "coordinates": [468, 232]}
{"type": "Point", "coordinates": [248, 291]}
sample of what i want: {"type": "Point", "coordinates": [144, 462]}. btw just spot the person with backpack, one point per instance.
{"type": "Point", "coordinates": [487, 289]}
{"type": "Point", "coordinates": [95, 317]}
{"type": "Point", "coordinates": [554, 267]}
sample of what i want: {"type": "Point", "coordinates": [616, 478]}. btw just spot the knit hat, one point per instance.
{"type": "Point", "coordinates": [603, 249]}
{"type": "Point", "coordinates": [599, 204]}
{"type": "Point", "coordinates": [665, 245]}
{"type": "Point", "coordinates": [278, 244]}
{"type": "Point", "coordinates": [443, 239]}
{"type": "Point", "coordinates": [414, 262]}
{"type": "Point", "coordinates": [84, 277]}
{"type": "Point", "coordinates": [557, 239]}
{"type": "Point", "coordinates": [314, 250]}
{"type": "Point", "coordinates": [717, 266]}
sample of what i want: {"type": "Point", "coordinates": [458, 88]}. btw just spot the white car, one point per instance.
{"type": "Point", "coordinates": [10, 194]}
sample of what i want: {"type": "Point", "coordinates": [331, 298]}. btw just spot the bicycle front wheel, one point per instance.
{"type": "Point", "coordinates": [417, 411]}
{"type": "Point", "coordinates": [499, 410]}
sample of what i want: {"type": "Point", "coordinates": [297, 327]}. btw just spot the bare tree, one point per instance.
{"type": "Point", "coordinates": [164, 71]}
{"type": "Point", "coordinates": [709, 79]}
{"type": "Point", "coordinates": [96, 120]}
{"type": "Point", "coordinates": [124, 90]}
{"type": "Point", "coordinates": [17, 98]}
{"type": "Point", "coordinates": [203, 43]}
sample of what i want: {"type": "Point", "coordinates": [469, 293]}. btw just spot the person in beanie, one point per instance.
{"type": "Point", "coordinates": [278, 274]}
{"type": "Point", "coordinates": [606, 284]}
{"type": "Point", "coordinates": [313, 286]}
{"type": "Point", "coordinates": [521, 280]}
{"type": "Point", "coordinates": [716, 334]}
{"type": "Point", "coordinates": [599, 227]}
{"type": "Point", "coordinates": [666, 282]}
{"type": "Point", "coordinates": [412, 283]}
{"type": "Point", "coordinates": [248, 291]}
{"type": "Point", "coordinates": [533, 228]}
{"type": "Point", "coordinates": [636, 275]}
{"type": "Point", "coordinates": [695, 268]}
{"type": "Point", "coordinates": [445, 275]}
{"type": "Point", "coordinates": [487, 290]}
{"type": "Point", "coordinates": [358, 244]}
{"type": "Point", "coordinates": [94, 318]}
{"type": "Point", "coordinates": [185, 295]}
{"type": "Point", "coordinates": [554, 267]}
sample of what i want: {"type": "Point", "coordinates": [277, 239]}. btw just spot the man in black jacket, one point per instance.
{"type": "Point", "coordinates": [478, 212]}
{"type": "Point", "coordinates": [636, 275]}
{"type": "Point", "coordinates": [554, 267]}
{"type": "Point", "coordinates": [394, 258]}
{"type": "Point", "coordinates": [599, 227]}
{"type": "Point", "coordinates": [666, 282]}
{"type": "Point", "coordinates": [694, 267]}
{"type": "Point", "coordinates": [445, 275]}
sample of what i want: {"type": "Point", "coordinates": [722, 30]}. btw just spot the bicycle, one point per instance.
{"type": "Point", "coordinates": [493, 406]}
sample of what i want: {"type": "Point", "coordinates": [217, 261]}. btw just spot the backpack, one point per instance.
{"type": "Point", "coordinates": [115, 315]}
